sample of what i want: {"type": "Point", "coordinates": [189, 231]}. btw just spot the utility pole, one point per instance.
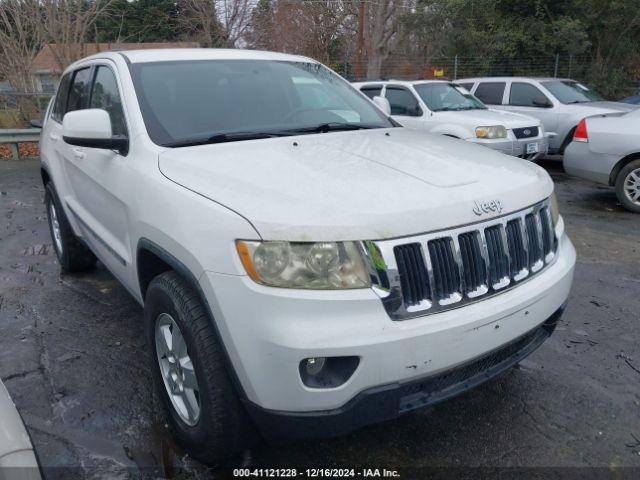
{"type": "Point", "coordinates": [555, 70]}
{"type": "Point", "coordinates": [360, 47]}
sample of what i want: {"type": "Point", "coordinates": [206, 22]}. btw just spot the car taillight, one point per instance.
{"type": "Point", "coordinates": [581, 134]}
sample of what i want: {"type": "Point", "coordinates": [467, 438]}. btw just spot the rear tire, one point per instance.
{"type": "Point", "coordinates": [204, 413]}
{"type": "Point", "coordinates": [628, 186]}
{"type": "Point", "coordinates": [72, 254]}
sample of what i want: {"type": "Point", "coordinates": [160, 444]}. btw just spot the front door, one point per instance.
{"type": "Point", "coordinates": [97, 177]}
{"type": "Point", "coordinates": [405, 107]}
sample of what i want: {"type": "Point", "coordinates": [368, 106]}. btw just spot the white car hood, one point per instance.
{"type": "Point", "coordinates": [486, 118]}
{"type": "Point", "coordinates": [356, 185]}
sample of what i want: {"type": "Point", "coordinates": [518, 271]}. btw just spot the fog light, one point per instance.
{"type": "Point", "coordinates": [315, 365]}
{"type": "Point", "coordinates": [327, 372]}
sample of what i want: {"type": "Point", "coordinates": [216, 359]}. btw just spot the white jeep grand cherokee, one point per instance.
{"type": "Point", "coordinates": [305, 266]}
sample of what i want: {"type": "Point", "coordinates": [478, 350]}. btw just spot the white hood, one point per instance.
{"type": "Point", "coordinates": [485, 118]}
{"type": "Point", "coordinates": [356, 185]}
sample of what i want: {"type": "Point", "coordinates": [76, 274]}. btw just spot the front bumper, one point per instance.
{"type": "Point", "coordinates": [390, 401]}
{"type": "Point", "coordinates": [517, 147]}
{"type": "Point", "coordinates": [268, 331]}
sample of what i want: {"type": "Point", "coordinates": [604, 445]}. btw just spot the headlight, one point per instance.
{"type": "Point", "coordinates": [317, 266]}
{"type": "Point", "coordinates": [495, 131]}
{"type": "Point", "coordinates": [553, 205]}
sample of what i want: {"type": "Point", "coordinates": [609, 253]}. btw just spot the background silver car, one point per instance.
{"type": "Point", "coordinates": [560, 103]}
{"type": "Point", "coordinates": [17, 458]}
{"type": "Point", "coordinates": [606, 150]}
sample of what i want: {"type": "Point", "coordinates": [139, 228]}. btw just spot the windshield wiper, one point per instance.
{"type": "Point", "coordinates": [332, 127]}
{"type": "Point", "coordinates": [226, 137]}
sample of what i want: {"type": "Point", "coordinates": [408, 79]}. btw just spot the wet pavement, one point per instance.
{"type": "Point", "coordinates": [74, 358]}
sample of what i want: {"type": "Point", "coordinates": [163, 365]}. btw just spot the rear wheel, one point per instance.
{"type": "Point", "coordinates": [628, 186]}
{"type": "Point", "coordinates": [72, 254]}
{"type": "Point", "coordinates": [204, 411]}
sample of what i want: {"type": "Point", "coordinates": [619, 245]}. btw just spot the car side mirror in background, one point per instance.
{"type": "Point", "coordinates": [92, 128]}
{"type": "Point", "coordinates": [542, 102]}
{"type": "Point", "coordinates": [36, 123]}
{"type": "Point", "coordinates": [383, 104]}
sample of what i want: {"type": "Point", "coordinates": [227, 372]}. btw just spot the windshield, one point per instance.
{"type": "Point", "coordinates": [446, 96]}
{"type": "Point", "coordinates": [195, 102]}
{"type": "Point", "coordinates": [568, 91]}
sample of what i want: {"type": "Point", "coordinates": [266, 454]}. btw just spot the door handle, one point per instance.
{"type": "Point", "coordinates": [79, 153]}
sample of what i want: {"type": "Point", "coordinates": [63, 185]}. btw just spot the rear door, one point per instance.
{"type": "Point", "coordinates": [97, 176]}
{"type": "Point", "coordinates": [491, 93]}
{"type": "Point", "coordinates": [528, 99]}
{"type": "Point", "coordinates": [405, 107]}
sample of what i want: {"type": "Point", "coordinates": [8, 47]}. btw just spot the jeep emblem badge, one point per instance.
{"type": "Point", "coordinates": [493, 206]}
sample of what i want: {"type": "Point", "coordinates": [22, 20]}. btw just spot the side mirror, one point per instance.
{"type": "Point", "coordinates": [36, 123]}
{"type": "Point", "coordinates": [542, 102]}
{"type": "Point", "coordinates": [92, 128]}
{"type": "Point", "coordinates": [383, 104]}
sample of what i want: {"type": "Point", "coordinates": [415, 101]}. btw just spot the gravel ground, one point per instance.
{"type": "Point", "coordinates": [73, 356]}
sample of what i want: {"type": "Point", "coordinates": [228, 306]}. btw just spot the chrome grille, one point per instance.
{"type": "Point", "coordinates": [434, 272]}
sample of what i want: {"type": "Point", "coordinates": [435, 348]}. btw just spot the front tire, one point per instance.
{"type": "Point", "coordinates": [72, 254]}
{"type": "Point", "coordinates": [628, 186]}
{"type": "Point", "coordinates": [204, 412]}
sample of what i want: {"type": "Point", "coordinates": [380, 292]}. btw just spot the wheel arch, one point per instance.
{"type": "Point", "coordinates": [620, 165]}
{"type": "Point", "coordinates": [160, 261]}
{"type": "Point", "coordinates": [44, 174]}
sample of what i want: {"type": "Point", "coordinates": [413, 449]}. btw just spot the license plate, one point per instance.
{"type": "Point", "coordinates": [532, 148]}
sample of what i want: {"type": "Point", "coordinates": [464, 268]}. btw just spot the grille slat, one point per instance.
{"type": "Point", "coordinates": [498, 260]}
{"type": "Point", "coordinates": [516, 247]}
{"type": "Point", "coordinates": [535, 247]}
{"type": "Point", "coordinates": [547, 229]}
{"type": "Point", "coordinates": [436, 272]}
{"type": "Point", "coordinates": [474, 269]}
{"type": "Point", "coordinates": [445, 269]}
{"type": "Point", "coordinates": [414, 280]}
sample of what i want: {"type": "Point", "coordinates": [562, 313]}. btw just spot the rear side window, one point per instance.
{"type": "Point", "coordinates": [373, 91]}
{"type": "Point", "coordinates": [105, 95]}
{"type": "Point", "coordinates": [490, 92]}
{"type": "Point", "coordinates": [467, 86]}
{"type": "Point", "coordinates": [527, 95]}
{"type": "Point", "coordinates": [79, 92]}
{"type": "Point", "coordinates": [61, 98]}
{"type": "Point", "coordinates": [403, 102]}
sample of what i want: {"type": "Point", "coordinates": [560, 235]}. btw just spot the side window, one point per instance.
{"type": "Point", "coordinates": [105, 95]}
{"type": "Point", "coordinates": [61, 98]}
{"type": "Point", "coordinates": [527, 95]}
{"type": "Point", "coordinates": [467, 86]}
{"type": "Point", "coordinates": [491, 92]}
{"type": "Point", "coordinates": [403, 102]}
{"type": "Point", "coordinates": [372, 91]}
{"type": "Point", "coordinates": [79, 92]}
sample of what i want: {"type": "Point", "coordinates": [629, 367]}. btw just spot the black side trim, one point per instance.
{"type": "Point", "coordinates": [389, 401]}
{"type": "Point", "coordinates": [184, 272]}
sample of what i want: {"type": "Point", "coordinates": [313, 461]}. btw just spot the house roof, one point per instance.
{"type": "Point", "coordinates": [45, 61]}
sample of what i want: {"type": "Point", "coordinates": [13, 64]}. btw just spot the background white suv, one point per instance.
{"type": "Point", "coordinates": [305, 266]}
{"type": "Point", "coordinates": [443, 108]}
{"type": "Point", "coordinates": [559, 103]}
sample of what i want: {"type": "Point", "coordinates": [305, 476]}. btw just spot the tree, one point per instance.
{"type": "Point", "coordinates": [216, 23]}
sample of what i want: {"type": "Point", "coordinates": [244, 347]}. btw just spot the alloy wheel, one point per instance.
{"type": "Point", "coordinates": [176, 368]}
{"type": "Point", "coordinates": [632, 186]}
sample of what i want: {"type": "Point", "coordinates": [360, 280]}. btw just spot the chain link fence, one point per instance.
{"type": "Point", "coordinates": [612, 83]}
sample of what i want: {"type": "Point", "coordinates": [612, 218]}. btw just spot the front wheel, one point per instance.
{"type": "Point", "coordinates": [202, 406]}
{"type": "Point", "coordinates": [628, 186]}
